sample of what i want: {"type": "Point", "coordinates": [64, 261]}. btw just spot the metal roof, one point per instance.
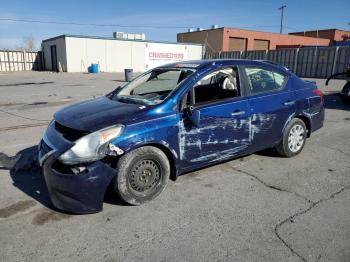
{"type": "Point", "coordinates": [115, 39]}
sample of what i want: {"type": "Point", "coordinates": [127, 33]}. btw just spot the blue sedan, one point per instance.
{"type": "Point", "coordinates": [169, 121]}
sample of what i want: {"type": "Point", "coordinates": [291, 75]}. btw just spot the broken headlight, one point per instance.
{"type": "Point", "coordinates": [92, 146]}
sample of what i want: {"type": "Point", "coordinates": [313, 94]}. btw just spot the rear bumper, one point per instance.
{"type": "Point", "coordinates": [317, 120]}
{"type": "Point", "coordinates": [78, 193]}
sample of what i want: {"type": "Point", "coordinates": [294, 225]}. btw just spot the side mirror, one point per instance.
{"type": "Point", "coordinates": [193, 115]}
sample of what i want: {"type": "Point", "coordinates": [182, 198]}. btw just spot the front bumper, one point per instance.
{"type": "Point", "coordinates": [73, 192]}
{"type": "Point", "coordinates": [81, 193]}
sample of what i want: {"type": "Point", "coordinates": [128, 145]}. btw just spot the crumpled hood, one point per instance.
{"type": "Point", "coordinates": [95, 114]}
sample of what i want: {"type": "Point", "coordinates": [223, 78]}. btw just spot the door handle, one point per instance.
{"type": "Point", "coordinates": [289, 103]}
{"type": "Point", "coordinates": [238, 113]}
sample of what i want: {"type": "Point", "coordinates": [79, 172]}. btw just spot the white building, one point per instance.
{"type": "Point", "coordinates": [72, 53]}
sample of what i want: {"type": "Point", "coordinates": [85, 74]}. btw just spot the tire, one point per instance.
{"type": "Point", "coordinates": [345, 98]}
{"type": "Point", "coordinates": [142, 175]}
{"type": "Point", "coordinates": [294, 138]}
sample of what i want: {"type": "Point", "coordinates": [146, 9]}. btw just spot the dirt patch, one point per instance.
{"type": "Point", "coordinates": [43, 104]}
{"type": "Point", "coordinates": [28, 83]}
{"type": "Point", "coordinates": [43, 217]}
{"type": "Point", "coordinates": [11, 104]}
{"type": "Point", "coordinates": [16, 208]}
{"type": "Point", "coordinates": [37, 103]}
{"type": "Point", "coordinates": [347, 118]}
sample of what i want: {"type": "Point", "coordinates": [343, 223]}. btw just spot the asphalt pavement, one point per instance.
{"type": "Point", "coordinates": [257, 208]}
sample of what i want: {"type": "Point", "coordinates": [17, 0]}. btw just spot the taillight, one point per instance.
{"type": "Point", "coordinates": [318, 92]}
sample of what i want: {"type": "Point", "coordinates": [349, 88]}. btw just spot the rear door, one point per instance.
{"type": "Point", "coordinates": [272, 103]}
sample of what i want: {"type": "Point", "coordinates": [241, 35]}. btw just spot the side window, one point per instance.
{"type": "Point", "coordinates": [218, 85]}
{"type": "Point", "coordinates": [263, 80]}
{"type": "Point", "coordinates": [280, 79]}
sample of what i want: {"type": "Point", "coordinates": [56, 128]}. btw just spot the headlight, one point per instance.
{"type": "Point", "coordinates": [92, 146]}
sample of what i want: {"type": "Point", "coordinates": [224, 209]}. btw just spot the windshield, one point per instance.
{"type": "Point", "coordinates": [152, 87]}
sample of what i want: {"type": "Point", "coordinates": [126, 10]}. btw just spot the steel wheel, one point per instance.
{"type": "Point", "coordinates": [142, 175]}
{"type": "Point", "coordinates": [145, 176]}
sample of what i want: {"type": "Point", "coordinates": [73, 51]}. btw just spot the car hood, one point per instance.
{"type": "Point", "coordinates": [95, 114]}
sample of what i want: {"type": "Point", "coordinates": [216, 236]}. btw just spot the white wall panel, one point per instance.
{"type": "Point", "coordinates": [112, 55]}
{"type": "Point", "coordinates": [61, 53]}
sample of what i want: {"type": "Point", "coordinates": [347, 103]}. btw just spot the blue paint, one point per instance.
{"type": "Point", "coordinates": [257, 123]}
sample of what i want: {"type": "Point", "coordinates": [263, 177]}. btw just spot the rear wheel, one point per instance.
{"type": "Point", "coordinates": [142, 175]}
{"type": "Point", "coordinates": [293, 140]}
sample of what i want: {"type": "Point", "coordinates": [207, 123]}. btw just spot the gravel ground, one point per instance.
{"type": "Point", "coordinates": [257, 208]}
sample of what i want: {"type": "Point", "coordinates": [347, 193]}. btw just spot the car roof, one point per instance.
{"type": "Point", "coordinates": [199, 64]}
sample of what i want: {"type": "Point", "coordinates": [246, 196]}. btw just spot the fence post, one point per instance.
{"type": "Point", "coordinates": [296, 60]}
{"type": "Point", "coordinates": [8, 60]}
{"type": "Point", "coordinates": [335, 60]}
{"type": "Point", "coordinates": [24, 60]}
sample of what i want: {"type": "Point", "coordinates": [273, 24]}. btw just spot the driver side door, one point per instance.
{"type": "Point", "coordinates": [223, 128]}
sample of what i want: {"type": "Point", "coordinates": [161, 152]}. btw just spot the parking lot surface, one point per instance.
{"type": "Point", "coordinates": [256, 208]}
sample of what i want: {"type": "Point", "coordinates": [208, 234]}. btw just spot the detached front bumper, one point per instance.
{"type": "Point", "coordinates": [78, 193]}
{"type": "Point", "coordinates": [75, 192]}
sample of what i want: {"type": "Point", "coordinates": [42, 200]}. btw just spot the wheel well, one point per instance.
{"type": "Point", "coordinates": [170, 156]}
{"type": "Point", "coordinates": [307, 123]}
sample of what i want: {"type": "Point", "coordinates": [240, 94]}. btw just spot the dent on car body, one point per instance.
{"type": "Point", "coordinates": [256, 123]}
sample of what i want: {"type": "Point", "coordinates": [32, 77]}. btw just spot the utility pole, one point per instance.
{"type": "Point", "coordinates": [282, 8]}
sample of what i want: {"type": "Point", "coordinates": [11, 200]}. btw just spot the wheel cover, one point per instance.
{"type": "Point", "coordinates": [296, 138]}
{"type": "Point", "coordinates": [144, 176]}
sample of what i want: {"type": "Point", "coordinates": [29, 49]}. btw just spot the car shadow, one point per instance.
{"type": "Point", "coordinates": [269, 152]}
{"type": "Point", "coordinates": [27, 176]}
{"type": "Point", "coordinates": [334, 101]}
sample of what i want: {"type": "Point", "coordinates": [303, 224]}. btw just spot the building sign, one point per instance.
{"type": "Point", "coordinates": [157, 54]}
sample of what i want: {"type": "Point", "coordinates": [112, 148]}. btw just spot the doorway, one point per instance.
{"type": "Point", "coordinates": [54, 65]}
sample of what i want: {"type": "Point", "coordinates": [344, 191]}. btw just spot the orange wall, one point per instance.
{"type": "Point", "coordinates": [331, 34]}
{"type": "Point", "coordinates": [274, 38]}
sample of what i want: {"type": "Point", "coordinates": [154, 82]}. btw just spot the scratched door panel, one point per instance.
{"type": "Point", "coordinates": [219, 136]}
{"type": "Point", "coordinates": [269, 115]}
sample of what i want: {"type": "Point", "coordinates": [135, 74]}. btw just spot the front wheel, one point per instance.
{"type": "Point", "coordinates": [346, 93]}
{"type": "Point", "coordinates": [142, 175]}
{"type": "Point", "coordinates": [293, 140]}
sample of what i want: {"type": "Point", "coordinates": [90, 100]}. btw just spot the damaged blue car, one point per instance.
{"type": "Point", "coordinates": [169, 121]}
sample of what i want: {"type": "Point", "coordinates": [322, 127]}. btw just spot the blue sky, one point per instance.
{"type": "Point", "coordinates": [250, 14]}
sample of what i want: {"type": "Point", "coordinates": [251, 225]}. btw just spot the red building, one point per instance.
{"type": "Point", "coordinates": [233, 39]}
{"type": "Point", "coordinates": [334, 35]}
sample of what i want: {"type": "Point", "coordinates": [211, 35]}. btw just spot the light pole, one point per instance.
{"type": "Point", "coordinates": [282, 9]}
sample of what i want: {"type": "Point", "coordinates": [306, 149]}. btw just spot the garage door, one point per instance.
{"type": "Point", "coordinates": [261, 44]}
{"type": "Point", "coordinates": [237, 44]}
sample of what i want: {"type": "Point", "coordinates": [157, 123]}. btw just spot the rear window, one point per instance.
{"type": "Point", "coordinates": [280, 79]}
{"type": "Point", "coordinates": [264, 80]}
